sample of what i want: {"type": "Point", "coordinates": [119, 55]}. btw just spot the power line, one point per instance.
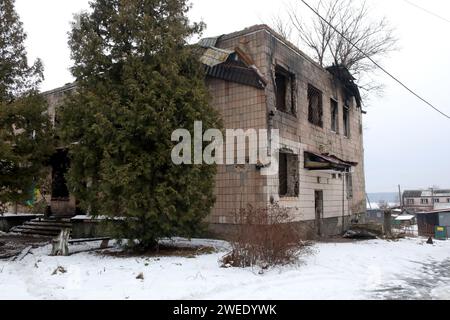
{"type": "Point", "coordinates": [427, 11]}
{"type": "Point", "coordinates": [374, 62]}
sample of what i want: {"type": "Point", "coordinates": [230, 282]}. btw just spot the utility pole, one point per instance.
{"type": "Point", "coordinates": [400, 198]}
{"type": "Point", "coordinates": [368, 201]}
{"type": "Point", "coordinates": [432, 198]}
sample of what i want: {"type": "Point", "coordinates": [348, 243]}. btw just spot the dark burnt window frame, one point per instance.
{"type": "Point", "coordinates": [315, 106]}
{"type": "Point", "coordinates": [346, 120]}
{"type": "Point", "coordinates": [288, 174]}
{"type": "Point", "coordinates": [349, 184]}
{"type": "Point", "coordinates": [285, 91]}
{"type": "Point", "coordinates": [334, 109]}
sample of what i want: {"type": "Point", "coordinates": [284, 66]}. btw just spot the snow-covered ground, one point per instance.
{"type": "Point", "coordinates": [378, 269]}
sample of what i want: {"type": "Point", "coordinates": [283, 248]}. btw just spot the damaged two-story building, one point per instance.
{"type": "Point", "coordinates": [258, 80]}
{"type": "Point", "coordinates": [267, 83]}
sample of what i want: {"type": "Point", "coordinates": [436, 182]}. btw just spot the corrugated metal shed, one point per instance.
{"type": "Point", "coordinates": [427, 221]}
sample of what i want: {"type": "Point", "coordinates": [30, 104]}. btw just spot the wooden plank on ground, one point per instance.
{"type": "Point", "coordinates": [23, 253]}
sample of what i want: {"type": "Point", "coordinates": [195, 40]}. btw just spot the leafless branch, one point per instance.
{"type": "Point", "coordinates": [353, 22]}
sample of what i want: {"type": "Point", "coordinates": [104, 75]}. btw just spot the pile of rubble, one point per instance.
{"type": "Point", "coordinates": [12, 246]}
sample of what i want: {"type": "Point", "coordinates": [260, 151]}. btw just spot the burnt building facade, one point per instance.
{"type": "Point", "coordinates": [258, 80]}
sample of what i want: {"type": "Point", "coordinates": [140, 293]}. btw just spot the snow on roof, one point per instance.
{"type": "Point", "coordinates": [92, 218]}
{"type": "Point", "coordinates": [8, 215]}
{"type": "Point", "coordinates": [406, 217]}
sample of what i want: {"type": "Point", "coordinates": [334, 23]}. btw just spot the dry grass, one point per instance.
{"type": "Point", "coordinates": [264, 237]}
{"type": "Point", "coordinates": [166, 250]}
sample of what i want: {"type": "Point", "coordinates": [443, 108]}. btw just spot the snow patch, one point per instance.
{"type": "Point", "coordinates": [353, 270]}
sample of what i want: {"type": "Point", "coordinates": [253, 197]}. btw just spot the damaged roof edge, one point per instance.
{"type": "Point", "coordinates": [347, 79]}
{"type": "Point", "coordinates": [66, 87]}
{"type": "Point", "coordinates": [266, 28]}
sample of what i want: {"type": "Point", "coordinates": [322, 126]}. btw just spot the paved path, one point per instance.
{"type": "Point", "coordinates": [433, 283]}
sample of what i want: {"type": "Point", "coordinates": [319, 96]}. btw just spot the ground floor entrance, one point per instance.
{"type": "Point", "coordinates": [318, 207]}
{"type": "Point", "coordinates": [62, 203]}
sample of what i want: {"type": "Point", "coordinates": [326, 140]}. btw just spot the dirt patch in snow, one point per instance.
{"type": "Point", "coordinates": [165, 250]}
{"type": "Point", "coordinates": [338, 239]}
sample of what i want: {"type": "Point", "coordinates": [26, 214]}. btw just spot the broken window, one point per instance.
{"type": "Point", "coordinates": [346, 117]}
{"type": "Point", "coordinates": [60, 165]}
{"type": "Point", "coordinates": [315, 108]}
{"type": "Point", "coordinates": [285, 90]}
{"type": "Point", "coordinates": [436, 200]}
{"type": "Point", "coordinates": [424, 201]}
{"type": "Point", "coordinates": [334, 116]}
{"type": "Point", "coordinates": [349, 183]}
{"type": "Point", "coordinates": [288, 175]}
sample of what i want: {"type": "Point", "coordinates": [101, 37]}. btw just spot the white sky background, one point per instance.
{"type": "Point", "coordinates": [406, 142]}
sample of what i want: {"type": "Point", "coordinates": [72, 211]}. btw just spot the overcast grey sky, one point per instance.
{"type": "Point", "coordinates": [406, 142]}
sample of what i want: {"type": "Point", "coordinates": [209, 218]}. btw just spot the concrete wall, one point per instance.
{"type": "Point", "coordinates": [10, 221]}
{"type": "Point", "coordinates": [241, 107]}
{"type": "Point", "coordinates": [308, 228]}
{"type": "Point", "coordinates": [89, 228]}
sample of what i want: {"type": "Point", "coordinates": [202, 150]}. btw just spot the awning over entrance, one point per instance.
{"type": "Point", "coordinates": [315, 161]}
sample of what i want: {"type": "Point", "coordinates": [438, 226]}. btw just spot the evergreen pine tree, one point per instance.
{"type": "Point", "coordinates": [138, 80]}
{"type": "Point", "coordinates": [25, 130]}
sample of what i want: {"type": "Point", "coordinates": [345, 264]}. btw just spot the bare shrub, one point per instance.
{"type": "Point", "coordinates": [264, 237]}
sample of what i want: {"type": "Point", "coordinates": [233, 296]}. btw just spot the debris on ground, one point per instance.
{"type": "Point", "coordinates": [12, 245]}
{"type": "Point", "coordinates": [371, 227]}
{"type": "Point", "coordinates": [396, 236]}
{"type": "Point", "coordinates": [359, 234]}
{"type": "Point", "coordinates": [23, 253]}
{"type": "Point", "coordinates": [59, 270]}
{"type": "Point", "coordinates": [140, 276]}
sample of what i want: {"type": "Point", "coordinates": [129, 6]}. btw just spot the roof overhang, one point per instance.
{"type": "Point", "coordinates": [230, 65]}
{"type": "Point", "coordinates": [435, 211]}
{"type": "Point", "coordinates": [323, 162]}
